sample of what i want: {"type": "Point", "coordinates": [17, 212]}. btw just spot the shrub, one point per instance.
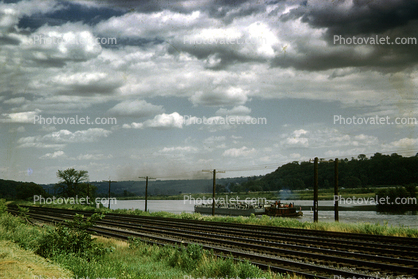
{"type": "Point", "coordinates": [3, 207]}
{"type": "Point", "coordinates": [72, 239]}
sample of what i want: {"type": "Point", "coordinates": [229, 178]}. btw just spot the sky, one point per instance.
{"type": "Point", "coordinates": [171, 88]}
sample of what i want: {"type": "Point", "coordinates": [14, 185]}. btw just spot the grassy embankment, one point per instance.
{"type": "Point", "coordinates": [324, 194]}
{"type": "Point", "coordinates": [366, 228]}
{"type": "Point", "coordinates": [75, 254]}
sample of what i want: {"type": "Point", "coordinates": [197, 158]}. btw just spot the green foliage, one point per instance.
{"type": "Point", "coordinates": [186, 258]}
{"type": "Point", "coordinates": [71, 182]}
{"type": "Point", "coordinates": [23, 213]}
{"type": "Point", "coordinates": [15, 229]}
{"type": "Point", "coordinates": [398, 200]}
{"type": "Point", "coordinates": [3, 206]}
{"type": "Point", "coordinates": [20, 190]}
{"type": "Point", "coordinates": [72, 239]}
{"type": "Point", "coordinates": [379, 170]}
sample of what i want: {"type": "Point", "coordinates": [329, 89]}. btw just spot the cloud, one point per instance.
{"type": "Point", "coordinates": [237, 110]}
{"type": "Point", "coordinates": [158, 24]}
{"type": "Point", "coordinates": [161, 121]}
{"type": "Point", "coordinates": [137, 108]}
{"type": "Point", "coordinates": [60, 138]}
{"type": "Point", "coordinates": [213, 139]}
{"type": "Point", "coordinates": [407, 145]}
{"type": "Point", "coordinates": [65, 136]}
{"type": "Point", "coordinates": [296, 139]}
{"type": "Point", "coordinates": [238, 152]}
{"type": "Point", "coordinates": [54, 155]}
{"type": "Point", "coordinates": [86, 83]}
{"type": "Point", "coordinates": [19, 117]}
{"type": "Point", "coordinates": [19, 129]}
{"type": "Point", "coordinates": [312, 48]}
{"type": "Point", "coordinates": [15, 101]}
{"type": "Point", "coordinates": [227, 97]}
{"type": "Point", "coordinates": [178, 149]}
{"type": "Point", "coordinates": [95, 157]}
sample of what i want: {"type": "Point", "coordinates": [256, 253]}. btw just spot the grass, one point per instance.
{"type": "Point", "coordinates": [123, 261]}
{"type": "Point", "coordinates": [15, 262]}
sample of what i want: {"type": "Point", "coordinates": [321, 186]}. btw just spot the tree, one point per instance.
{"type": "Point", "coordinates": [362, 157]}
{"type": "Point", "coordinates": [352, 182]}
{"type": "Point", "coordinates": [71, 182]}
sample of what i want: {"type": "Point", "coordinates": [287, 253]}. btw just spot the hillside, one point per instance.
{"type": "Point", "coordinates": [378, 170]}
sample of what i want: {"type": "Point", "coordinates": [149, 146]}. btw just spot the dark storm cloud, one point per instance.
{"type": "Point", "coordinates": [69, 12]}
{"type": "Point", "coordinates": [364, 18]}
{"type": "Point", "coordinates": [9, 41]}
{"type": "Point", "coordinates": [217, 57]}
{"type": "Point", "coordinates": [219, 9]}
{"type": "Point", "coordinates": [380, 59]}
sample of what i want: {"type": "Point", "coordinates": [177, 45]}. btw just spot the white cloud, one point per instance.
{"type": "Point", "coordinates": [213, 140]}
{"type": "Point", "coordinates": [48, 128]}
{"type": "Point", "coordinates": [93, 157]}
{"type": "Point", "coordinates": [19, 117]}
{"type": "Point", "coordinates": [65, 136]}
{"type": "Point", "coordinates": [60, 138]}
{"type": "Point", "coordinates": [237, 110]}
{"type": "Point", "coordinates": [54, 155]}
{"type": "Point", "coordinates": [161, 121]}
{"type": "Point", "coordinates": [19, 129]}
{"type": "Point", "coordinates": [406, 145]}
{"type": "Point", "coordinates": [296, 140]}
{"type": "Point", "coordinates": [155, 24]}
{"type": "Point", "coordinates": [227, 97]}
{"type": "Point", "coordinates": [138, 108]}
{"type": "Point", "coordinates": [15, 101]}
{"type": "Point", "coordinates": [70, 41]}
{"type": "Point", "coordinates": [178, 149]}
{"type": "Point", "coordinates": [238, 152]}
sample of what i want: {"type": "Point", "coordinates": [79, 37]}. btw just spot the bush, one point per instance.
{"type": "Point", "coordinates": [72, 239]}
{"type": "Point", "coordinates": [3, 207]}
{"type": "Point", "coordinates": [187, 258]}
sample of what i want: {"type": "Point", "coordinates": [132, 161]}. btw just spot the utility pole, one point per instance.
{"type": "Point", "coordinates": [146, 190]}
{"type": "Point", "coordinates": [108, 201]}
{"type": "Point", "coordinates": [336, 190]}
{"type": "Point", "coordinates": [315, 202]}
{"type": "Point", "coordinates": [214, 188]}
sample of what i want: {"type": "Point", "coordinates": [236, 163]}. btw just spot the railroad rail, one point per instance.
{"type": "Point", "coordinates": [317, 255]}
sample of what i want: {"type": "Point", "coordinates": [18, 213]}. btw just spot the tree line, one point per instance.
{"type": "Point", "coordinates": [360, 172]}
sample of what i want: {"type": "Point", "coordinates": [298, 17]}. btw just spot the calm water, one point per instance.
{"type": "Point", "coordinates": [178, 206]}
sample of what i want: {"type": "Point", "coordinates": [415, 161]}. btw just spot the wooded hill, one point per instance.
{"type": "Point", "coordinates": [378, 170]}
{"type": "Point", "coordinates": [11, 189]}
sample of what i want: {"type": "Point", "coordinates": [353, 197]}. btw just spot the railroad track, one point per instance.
{"type": "Point", "coordinates": [319, 255]}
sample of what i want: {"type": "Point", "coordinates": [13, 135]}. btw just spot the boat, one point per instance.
{"type": "Point", "coordinates": [240, 209]}
{"type": "Point", "coordinates": [278, 209]}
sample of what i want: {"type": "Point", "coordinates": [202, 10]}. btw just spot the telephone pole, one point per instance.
{"type": "Point", "coordinates": [336, 217]}
{"type": "Point", "coordinates": [315, 202]}
{"type": "Point", "coordinates": [108, 201]}
{"type": "Point", "coordinates": [146, 190]}
{"type": "Point", "coordinates": [214, 188]}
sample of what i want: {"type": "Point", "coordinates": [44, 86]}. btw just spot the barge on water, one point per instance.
{"type": "Point", "coordinates": [230, 209]}
{"type": "Point", "coordinates": [279, 209]}
{"type": "Point", "coordinates": [276, 209]}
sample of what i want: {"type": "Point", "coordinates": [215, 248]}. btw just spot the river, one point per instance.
{"type": "Point", "coordinates": [372, 217]}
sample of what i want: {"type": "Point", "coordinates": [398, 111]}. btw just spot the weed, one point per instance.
{"type": "Point", "coordinates": [72, 239]}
